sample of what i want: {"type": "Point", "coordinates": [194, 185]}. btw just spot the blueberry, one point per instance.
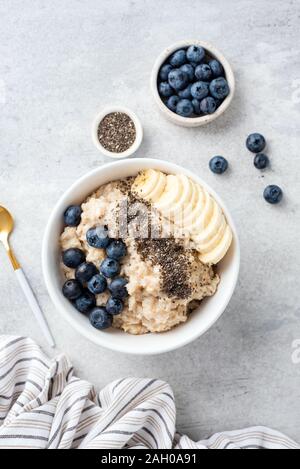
{"type": "Point", "coordinates": [85, 302]}
{"type": "Point", "coordinates": [118, 288]}
{"type": "Point", "coordinates": [178, 58]}
{"type": "Point", "coordinates": [110, 267]}
{"type": "Point", "coordinates": [114, 306]}
{"type": "Point", "coordinates": [203, 72]}
{"type": "Point", "coordinates": [100, 319]}
{"type": "Point", "coordinates": [208, 105]}
{"type": "Point", "coordinates": [189, 69]}
{"type": "Point", "coordinates": [85, 272]}
{"type": "Point", "coordinates": [73, 257]}
{"type": "Point", "coordinates": [195, 54]}
{"type": "Point", "coordinates": [196, 106]}
{"type": "Point", "coordinates": [219, 88]}
{"type": "Point", "coordinates": [255, 143]}
{"type": "Point", "coordinates": [200, 90]}
{"type": "Point", "coordinates": [97, 237]}
{"type": "Point", "coordinates": [261, 161]}
{"type": "Point", "coordinates": [185, 93]}
{"type": "Point", "coordinates": [184, 108]}
{"type": "Point", "coordinates": [72, 289]}
{"type": "Point", "coordinates": [97, 284]}
{"type": "Point", "coordinates": [216, 68]}
{"type": "Point", "coordinates": [116, 249]}
{"type": "Point", "coordinates": [165, 89]}
{"type": "Point", "coordinates": [273, 194]}
{"type": "Point", "coordinates": [164, 72]}
{"type": "Point", "coordinates": [72, 215]}
{"type": "Point", "coordinates": [178, 79]}
{"type": "Point", "coordinates": [172, 102]}
{"type": "Point", "coordinates": [218, 165]}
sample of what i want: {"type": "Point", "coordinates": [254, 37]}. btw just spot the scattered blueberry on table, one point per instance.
{"type": "Point", "coordinates": [191, 75]}
{"type": "Point", "coordinates": [218, 164]}
{"type": "Point", "coordinates": [261, 161]}
{"type": "Point", "coordinates": [72, 215]}
{"type": "Point", "coordinates": [273, 194]}
{"type": "Point", "coordinates": [73, 257]}
{"type": "Point", "coordinates": [100, 318]}
{"type": "Point", "coordinates": [255, 143]}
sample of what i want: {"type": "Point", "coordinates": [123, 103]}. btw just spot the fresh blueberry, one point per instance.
{"type": "Point", "coordinates": [85, 302]}
{"type": "Point", "coordinates": [273, 194]}
{"type": "Point", "coordinates": [218, 165]}
{"type": "Point", "coordinates": [219, 88]}
{"type": "Point", "coordinates": [72, 215]}
{"type": "Point", "coordinates": [185, 93]}
{"type": "Point", "coordinates": [255, 143]}
{"type": "Point", "coordinates": [97, 284]}
{"type": "Point", "coordinates": [208, 105]}
{"type": "Point", "coordinates": [110, 267]}
{"type": "Point", "coordinates": [261, 161]}
{"type": "Point", "coordinates": [195, 54]}
{"type": "Point", "coordinates": [196, 106]}
{"type": "Point", "coordinates": [72, 289]}
{"type": "Point", "coordinates": [216, 68]}
{"type": "Point", "coordinates": [165, 89]}
{"type": "Point", "coordinates": [178, 79]}
{"type": "Point", "coordinates": [189, 69]}
{"type": "Point", "coordinates": [97, 237]}
{"type": "Point", "coordinates": [200, 89]}
{"type": "Point", "coordinates": [116, 249]}
{"type": "Point", "coordinates": [178, 58]}
{"type": "Point", "coordinates": [100, 319]}
{"type": "Point", "coordinates": [85, 272]}
{"type": "Point", "coordinates": [203, 72]}
{"type": "Point", "coordinates": [164, 72]}
{"type": "Point", "coordinates": [118, 288]}
{"type": "Point", "coordinates": [172, 102]}
{"type": "Point", "coordinates": [114, 306]}
{"type": "Point", "coordinates": [73, 257]}
{"type": "Point", "coordinates": [184, 108]}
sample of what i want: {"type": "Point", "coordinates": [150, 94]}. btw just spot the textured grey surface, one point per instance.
{"type": "Point", "coordinates": [63, 61]}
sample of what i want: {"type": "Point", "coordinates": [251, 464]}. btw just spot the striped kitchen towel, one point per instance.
{"type": "Point", "coordinates": [43, 405]}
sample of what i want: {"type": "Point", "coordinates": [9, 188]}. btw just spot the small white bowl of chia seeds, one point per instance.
{"type": "Point", "coordinates": [117, 132]}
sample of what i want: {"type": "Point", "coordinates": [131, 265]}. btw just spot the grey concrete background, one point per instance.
{"type": "Point", "coordinates": [61, 62]}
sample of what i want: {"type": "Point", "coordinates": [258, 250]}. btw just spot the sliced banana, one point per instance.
{"type": "Point", "coordinates": [170, 196]}
{"type": "Point", "coordinates": [191, 215]}
{"type": "Point", "coordinates": [203, 248]}
{"type": "Point", "coordinates": [213, 226]}
{"type": "Point", "coordinates": [158, 189]}
{"type": "Point", "coordinates": [145, 182]}
{"type": "Point", "coordinates": [214, 256]}
{"type": "Point", "coordinates": [198, 224]}
{"type": "Point", "coordinates": [185, 196]}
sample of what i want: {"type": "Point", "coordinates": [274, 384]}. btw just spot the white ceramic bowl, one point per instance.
{"type": "Point", "coordinates": [192, 121]}
{"type": "Point", "coordinates": [138, 128]}
{"type": "Point", "coordinates": [199, 321]}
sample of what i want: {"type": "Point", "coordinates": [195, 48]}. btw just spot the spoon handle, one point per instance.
{"type": "Point", "coordinates": [34, 306]}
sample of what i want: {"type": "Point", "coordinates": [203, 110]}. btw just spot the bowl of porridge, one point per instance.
{"type": "Point", "coordinates": [141, 256]}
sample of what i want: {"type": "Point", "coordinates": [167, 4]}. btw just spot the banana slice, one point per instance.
{"type": "Point", "coordinates": [200, 222]}
{"type": "Point", "coordinates": [145, 182]}
{"type": "Point", "coordinates": [204, 248]}
{"type": "Point", "coordinates": [212, 228]}
{"type": "Point", "coordinates": [159, 188]}
{"type": "Point", "coordinates": [214, 256]}
{"type": "Point", "coordinates": [185, 197]}
{"type": "Point", "coordinates": [170, 196]}
{"type": "Point", "coordinates": [191, 215]}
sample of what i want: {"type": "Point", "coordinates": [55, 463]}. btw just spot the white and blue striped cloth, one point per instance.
{"type": "Point", "coordinates": [43, 405]}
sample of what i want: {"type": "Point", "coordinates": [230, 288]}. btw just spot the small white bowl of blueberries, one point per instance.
{"type": "Point", "coordinates": [192, 83]}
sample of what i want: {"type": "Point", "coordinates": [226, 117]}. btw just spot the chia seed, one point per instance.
{"type": "Point", "coordinates": [116, 132]}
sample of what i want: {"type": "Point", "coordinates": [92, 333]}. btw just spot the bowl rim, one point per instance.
{"type": "Point", "coordinates": [192, 121]}
{"type": "Point", "coordinates": [56, 296]}
{"type": "Point", "coordinates": [138, 128]}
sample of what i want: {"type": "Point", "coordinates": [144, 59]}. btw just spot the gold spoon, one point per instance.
{"type": "Point", "coordinates": [6, 228]}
